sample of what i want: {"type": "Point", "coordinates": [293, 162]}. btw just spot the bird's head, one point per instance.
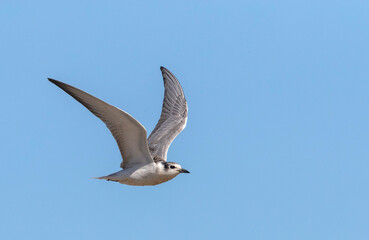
{"type": "Point", "coordinates": [172, 168]}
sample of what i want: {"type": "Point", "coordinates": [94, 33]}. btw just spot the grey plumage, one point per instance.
{"type": "Point", "coordinates": [144, 160]}
{"type": "Point", "coordinates": [173, 117]}
{"type": "Point", "coordinates": [129, 134]}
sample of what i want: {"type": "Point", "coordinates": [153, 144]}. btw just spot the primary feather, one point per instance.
{"type": "Point", "coordinates": [172, 120]}
{"type": "Point", "coordinates": [127, 131]}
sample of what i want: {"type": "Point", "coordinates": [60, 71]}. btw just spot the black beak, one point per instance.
{"type": "Point", "coordinates": [183, 171]}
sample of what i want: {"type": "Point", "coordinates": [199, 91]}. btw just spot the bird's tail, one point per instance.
{"type": "Point", "coordinates": [107, 178]}
{"type": "Point", "coordinates": [104, 177]}
{"type": "Point", "coordinates": [112, 177]}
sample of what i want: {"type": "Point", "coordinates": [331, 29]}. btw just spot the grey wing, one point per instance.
{"type": "Point", "coordinates": [172, 120]}
{"type": "Point", "coordinates": [127, 131]}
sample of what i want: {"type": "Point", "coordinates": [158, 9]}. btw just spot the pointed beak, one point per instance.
{"type": "Point", "coordinates": [183, 171]}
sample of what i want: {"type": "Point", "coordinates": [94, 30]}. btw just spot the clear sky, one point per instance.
{"type": "Point", "coordinates": [277, 139]}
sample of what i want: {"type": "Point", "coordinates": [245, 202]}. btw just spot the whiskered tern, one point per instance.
{"type": "Point", "coordinates": [144, 160]}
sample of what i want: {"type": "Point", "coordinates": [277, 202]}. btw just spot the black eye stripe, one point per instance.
{"type": "Point", "coordinates": [166, 166]}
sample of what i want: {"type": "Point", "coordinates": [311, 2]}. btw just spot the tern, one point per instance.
{"type": "Point", "coordinates": [144, 159]}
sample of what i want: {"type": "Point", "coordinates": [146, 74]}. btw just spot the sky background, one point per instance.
{"type": "Point", "coordinates": [277, 139]}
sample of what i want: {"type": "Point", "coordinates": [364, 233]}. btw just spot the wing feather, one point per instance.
{"type": "Point", "coordinates": [173, 117]}
{"type": "Point", "coordinates": [129, 134]}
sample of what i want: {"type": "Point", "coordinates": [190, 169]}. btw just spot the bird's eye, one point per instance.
{"type": "Point", "coordinates": [172, 167]}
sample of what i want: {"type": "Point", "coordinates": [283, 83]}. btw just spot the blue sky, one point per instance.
{"type": "Point", "coordinates": [277, 136]}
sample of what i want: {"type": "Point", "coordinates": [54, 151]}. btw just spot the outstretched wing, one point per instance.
{"type": "Point", "coordinates": [172, 120]}
{"type": "Point", "coordinates": [127, 131]}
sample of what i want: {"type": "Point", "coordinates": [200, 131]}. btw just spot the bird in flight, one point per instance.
{"type": "Point", "coordinates": [144, 160]}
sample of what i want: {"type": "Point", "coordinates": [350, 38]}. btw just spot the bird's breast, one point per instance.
{"type": "Point", "coordinates": [144, 177]}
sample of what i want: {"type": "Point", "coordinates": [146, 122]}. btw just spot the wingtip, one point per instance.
{"type": "Point", "coordinates": [56, 82]}
{"type": "Point", "coordinates": [52, 80]}
{"type": "Point", "coordinates": [165, 71]}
